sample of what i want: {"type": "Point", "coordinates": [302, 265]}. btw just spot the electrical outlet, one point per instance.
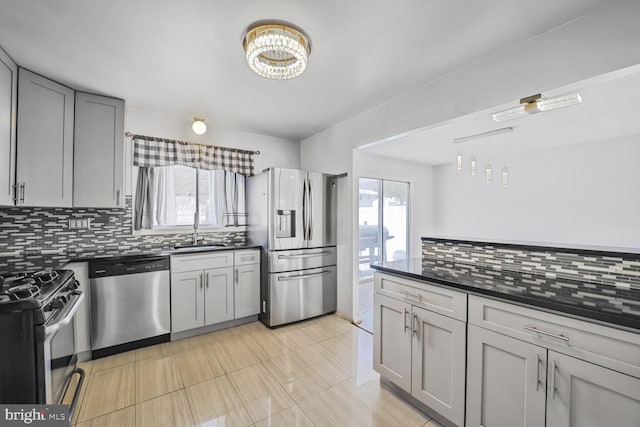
{"type": "Point", "coordinates": [79, 223]}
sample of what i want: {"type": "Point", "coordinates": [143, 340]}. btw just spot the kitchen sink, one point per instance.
{"type": "Point", "coordinates": [203, 247]}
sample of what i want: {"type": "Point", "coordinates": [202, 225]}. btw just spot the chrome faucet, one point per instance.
{"type": "Point", "coordinates": [195, 228]}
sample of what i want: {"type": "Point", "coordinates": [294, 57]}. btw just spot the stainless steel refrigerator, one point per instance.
{"type": "Point", "coordinates": [292, 215]}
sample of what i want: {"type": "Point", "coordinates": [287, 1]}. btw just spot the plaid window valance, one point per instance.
{"type": "Point", "coordinates": [151, 151]}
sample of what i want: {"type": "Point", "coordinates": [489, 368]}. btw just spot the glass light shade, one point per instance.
{"type": "Point", "coordinates": [276, 51]}
{"type": "Point", "coordinates": [505, 177]}
{"type": "Point", "coordinates": [559, 102]}
{"type": "Point", "coordinates": [537, 106]}
{"type": "Point", "coordinates": [459, 161]}
{"type": "Point", "coordinates": [488, 174]}
{"type": "Point", "coordinates": [198, 126]}
{"type": "Point", "coordinates": [474, 166]}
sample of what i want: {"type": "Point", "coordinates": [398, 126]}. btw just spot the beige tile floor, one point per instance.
{"type": "Point", "coordinates": [315, 373]}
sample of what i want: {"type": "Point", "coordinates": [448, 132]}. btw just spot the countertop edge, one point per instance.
{"type": "Point", "coordinates": [611, 320]}
{"type": "Point", "coordinates": [158, 253]}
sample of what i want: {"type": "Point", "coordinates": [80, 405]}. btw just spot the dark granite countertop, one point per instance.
{"type": "Point", "coordinates": [159, 252]}
{"type": "Point", "coordinates": [590, 301]}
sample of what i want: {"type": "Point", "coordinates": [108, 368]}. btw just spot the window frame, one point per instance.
{"type": "Point", "coordinates": [181, 229]}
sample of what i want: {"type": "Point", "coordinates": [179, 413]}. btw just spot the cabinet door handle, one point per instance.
{"type": "Point", "coordinates": [206, 280]}
{"type": "Point", "coordinates": [537, 372]}
{"type": "Point", "coordinates": [415, 319]}
{"type": "Point", "coordinates": [236, 277]}
{"type": "Point", "coordinates": [549, 334]}
{"type": "Point", "coordinates": [554, 368]}
{"type": "Point", "coordinates": [117, 197]}
{"type": "Point", "coordinates": [22, 191]}
{"type": "Point", "coordinates": [16, 190]}
{"type": "Point", "coordinates": [405, 320]}
{"type": "Point", "coordinates": [409, 294]}
{"type": "Point", "coordinates": [201, 280]}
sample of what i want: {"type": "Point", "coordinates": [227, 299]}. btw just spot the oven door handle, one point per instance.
{"type": "Point", "coordinates": [66, 314]}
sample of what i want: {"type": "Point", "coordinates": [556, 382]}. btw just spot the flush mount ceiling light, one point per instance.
{"type": "Point", "coordinates": [535, 104]}
{"type": "Point", "coordinates": [198, 126]}
{"type": "Point", "coordinates": [276, 50]}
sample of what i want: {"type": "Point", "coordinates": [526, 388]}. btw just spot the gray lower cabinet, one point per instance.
{"type": "Point", "coordinates": [207, 288]}
{"type": "Point", "coordinates": [187, 300]}
{"type": "Point", "coordinates": [201, 298]}
{"type": "Point", "coordinates": [45, 142]}
{"type": "Point", "coordinates": [392, 340]}
{"type": "Point", "coordinates": [505, 381]}
{"type": "Point", "coordinates": [421, 352]}
{"type": "Point", "coordinates": [246, 295]}
{"type": "Point", "coordinates": [98, 169]}
{"type": "Point", "coordinates": [581, 394]}
{"type": "Point", "coordinates": [532, 372]}
{"type": "Point", "coordinates": [218, 295]}
{"type": "Point", "coordinates": [8, 108]}
{"type": "Point", "coordinates": [438, 363]}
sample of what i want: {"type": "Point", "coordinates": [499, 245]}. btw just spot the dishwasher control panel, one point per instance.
{"type": "Point", "coordinates": [128, 265]}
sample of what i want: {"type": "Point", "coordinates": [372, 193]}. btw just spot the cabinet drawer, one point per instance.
{"type": "Point", "coordinates": [251, 256]}
{"type": "Point", "coordinates": [603, 345]}
{"type": "Point", "coordinates": [202, 261]}
{"type": "Point", "coordinates": [434, 298]}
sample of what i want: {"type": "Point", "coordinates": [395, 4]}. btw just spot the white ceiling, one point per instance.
{"type": "Point", "coordinates": [184, 58]}
{"type": "Point", "coordinates": [608, 110]}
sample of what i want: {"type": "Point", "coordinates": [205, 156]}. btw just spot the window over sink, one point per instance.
{"type": "Point", "coordinates": [179, 194]}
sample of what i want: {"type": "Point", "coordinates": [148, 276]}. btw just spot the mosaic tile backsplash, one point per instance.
{"type": "Point", "coordinates": [621, 270]}
{"type": "Point", "coordinates": [37, 238]}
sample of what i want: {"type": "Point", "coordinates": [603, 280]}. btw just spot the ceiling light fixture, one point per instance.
{"type": "Point", "coordinates": [276, 51]}
{"type": "Point", "coordinates": [198, 126]}
{"type": "Point", "coordinates": [535, 104]}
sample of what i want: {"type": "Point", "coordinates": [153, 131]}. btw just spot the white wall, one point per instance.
{"type": "Point", "coordinates": [594, 44]}
{"type": "Point", "coordinates": [583, 194]}
{"type": "Point", "coordinates": [274, 151]}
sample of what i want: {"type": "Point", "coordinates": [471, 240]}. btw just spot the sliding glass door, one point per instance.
{"type": "Point", "coordinates": [383, 222]}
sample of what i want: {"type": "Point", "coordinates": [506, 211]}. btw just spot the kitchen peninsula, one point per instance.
{"type": "Point", "coordinates": [538, 325]}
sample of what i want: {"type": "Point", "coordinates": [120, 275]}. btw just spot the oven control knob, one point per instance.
{"type": "Point", "coordinates": [57, 303]}
{"type": "Point", "coordinates": [73, 285]}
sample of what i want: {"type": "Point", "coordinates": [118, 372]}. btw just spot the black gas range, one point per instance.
{"type": "Point", "coordinates": [37, 337]}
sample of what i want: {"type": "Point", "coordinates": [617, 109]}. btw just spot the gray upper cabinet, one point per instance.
{"type": "Point", "coordinates": [98, 179]}
{"type": "Point", "coordinates": [8, 104]}
{"type": "Point", "coordinates": [45, 142]}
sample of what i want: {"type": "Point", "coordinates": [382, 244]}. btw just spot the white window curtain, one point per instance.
{"type": "Point", "coordinates": [156, 205]}
{"type": "Point", "coordinates": [231, 186]}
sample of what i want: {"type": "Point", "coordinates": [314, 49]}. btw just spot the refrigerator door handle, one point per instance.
{"type": "Point", "coordinates": [303, 255]}
{"type": "Point", "coordinates": [304, 209]}
{"type": "Point", "coordinates": [310, 222]}
{"type": "Point", "coordinates": [303, 276]}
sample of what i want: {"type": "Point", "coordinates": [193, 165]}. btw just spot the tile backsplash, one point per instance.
{"type": "Point", "coordinates": [621, 270]}
{"type": "Point", "coordinates": [37, 238]}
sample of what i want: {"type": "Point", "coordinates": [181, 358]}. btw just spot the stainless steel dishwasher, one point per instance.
{"type": "Point", "coordinates": [129, 303]}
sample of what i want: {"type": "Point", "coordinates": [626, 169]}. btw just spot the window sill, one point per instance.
{"type": "Point", "coordinates": [188, 230]}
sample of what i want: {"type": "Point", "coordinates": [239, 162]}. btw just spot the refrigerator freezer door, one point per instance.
{"type": "Point", "coordinates": [300, 295]}
{"type": "Point", "coordinates": [301, 259]}
{"type": "Point", "coordinates": [321, 205]}
{"type": "Point", "coordinates": [287, 210]}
